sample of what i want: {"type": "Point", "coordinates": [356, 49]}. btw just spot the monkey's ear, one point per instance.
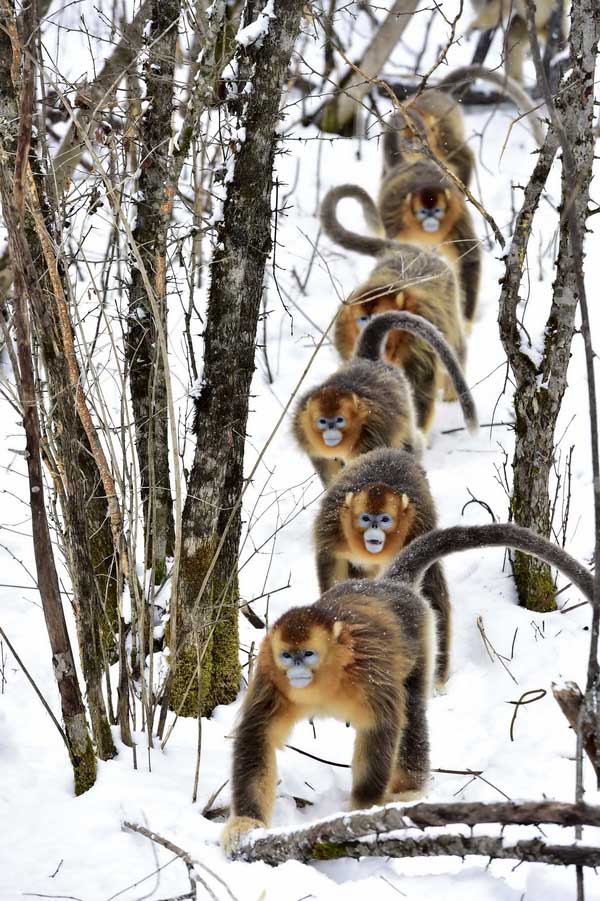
{"type": "Point", "coordinates": [348, 499]}
{"type": "Point", "coordinates": [400, 299]}
{"type": "Point", "coordinates": [355, 400]}
{"type": "Point", "coordinates": [342, 633]}
{"type": "Point", "coordinates": [447, 193]}
{"type": "Point", "coordinates": [409, 197]}
{"type": "Point", "coordinates": [404, 500]}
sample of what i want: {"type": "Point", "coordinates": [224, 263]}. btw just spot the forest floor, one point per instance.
{"type": "Point", "coordinates": [55, 845]}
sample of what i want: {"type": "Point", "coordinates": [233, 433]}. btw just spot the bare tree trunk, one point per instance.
{"type": "Point", "coordinates": [208, 599]}
{"type": "Point", "coordinates": [540, 385]}
{"type": "Point", "coordinates": [146, 366]}
{"type": "Point", "coordinates": [339, 113]}
{"type": "Point", "coordinates": [67, 431]}
{"type": "Point", "coordinates": [12, 191]}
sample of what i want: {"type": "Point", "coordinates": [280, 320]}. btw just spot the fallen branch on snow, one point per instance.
{"type": "Point", "coordinates": [191, 864]}
{"type": "Point", "coordinates": [344, 836]}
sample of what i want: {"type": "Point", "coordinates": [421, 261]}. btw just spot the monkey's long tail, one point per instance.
{"type": "Point", "coordinates": [524, 103]}
{"type": "Point", "coordinates": [370, 347]}
{"type": "Point", "coordinates": [367, 244]}
{"type": "Point", "coordinates": [413, 560]}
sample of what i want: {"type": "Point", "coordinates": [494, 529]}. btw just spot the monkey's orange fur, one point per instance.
{"type": "Point", "coordinates": [367, 647]}
{"type": "Point", "coordinates": [331, 401]}
{"type": "Point", "coordinates": [376, 498]}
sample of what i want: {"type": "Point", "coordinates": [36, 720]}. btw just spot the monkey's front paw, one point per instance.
{"type": "Point", "coordinates": [235, 830]}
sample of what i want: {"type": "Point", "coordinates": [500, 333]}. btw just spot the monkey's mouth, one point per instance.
{"type": "Point", "coordinates": [374, 540]}
{"type": "Point", "coordinates": [431, 224]}
{"type": "Point", "coordinates": [332, 437]}
{"type": "Point", "coordinates": [300, 680]}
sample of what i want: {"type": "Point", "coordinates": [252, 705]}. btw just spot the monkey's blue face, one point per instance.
{"type": "Point", "coordinates": [430, 218]}
{"type": "Point", "coordinates": [374, 527]}
{"type": "Point", "coordinates": [332, 428]}
{"type": "Point", "coordinates": [299, 666]}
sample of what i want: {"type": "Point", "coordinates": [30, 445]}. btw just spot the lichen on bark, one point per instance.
{"type": "Point", "coordinates": [242, 247]}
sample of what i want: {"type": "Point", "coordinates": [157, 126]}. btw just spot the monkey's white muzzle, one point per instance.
{"type": "Point", "coordinates": [332, 437]}
{"type": "Point", "coordinates": [374, 540]}
{"type": "Point", "coordinates": [299, 677]}
{"type": "Point", "coordinates": [430, 224]}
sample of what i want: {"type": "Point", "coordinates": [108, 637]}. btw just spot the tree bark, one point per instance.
{"type": "Point", "coordinates": [492, 847]}
{"type": "Point", "coordinates": [339, 113]}
{"type": "Point", "coordinates": [12, 188]}
{"type": "Point", "coordinates": [66, 431]}
{"type": "Point", "coordinates": [571, 701]}
{"type": "Point", "coordinates": [341, 836]}
{"type": "Point", "coordinates": [145, 362]}
{"type": "Point", "coordinates": [540, 386]}
{"type": "Point", "coordinates": [208, 599]}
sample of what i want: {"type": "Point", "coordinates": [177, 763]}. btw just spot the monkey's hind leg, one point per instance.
{"type": "Point", "coordinates": [422, 373]}
{"type": "Point", "coordinates": [516, 41]}
{"type": "Point", "coordinates": [327, 469]}
{"type": "Point", "coordinates": [435, 589]}
{"type": "Point", "coordinates": [448, 386]}
{"type": "Point", "coordinates": [331, 569]}
{"type": "Point", "coordinates": [411, 772]}
{"type": "Point", "coordinates": [375, 751]}
{"type": "Point", "coordinates": [449, 394]}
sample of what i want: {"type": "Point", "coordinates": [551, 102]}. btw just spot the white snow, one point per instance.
{"type": "Point", "coordinates": [256, 31]}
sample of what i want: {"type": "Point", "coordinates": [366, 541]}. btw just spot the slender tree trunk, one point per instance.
{"type": "Point", "coordinates": [338, 114]}
{"type": "Point", "coordinates": [540, 386]}
{"type": "Point", "coordinates": [14, 147]}
{"type": "Point", "coordinates": [66, 429]}
{"type": "Point", "coordinates": [208, 599]}
{"type": "Point", "coordinates": [146, 366]}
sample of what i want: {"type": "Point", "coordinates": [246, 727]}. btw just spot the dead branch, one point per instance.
{"type": "Point", "coordinates": [343, 836]}
{"type": "Point", "coordinates": [493, 847]}
{"type": "Point", "coordinates": [570, 700]}
{"type": "Point", "coordinates": [191, 864]}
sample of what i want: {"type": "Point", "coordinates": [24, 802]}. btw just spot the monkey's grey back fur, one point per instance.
{"type": "Point", "coordinates": [525, 104]}
{"type": "Point", "coordinates": [407, 604]}
{"type": "Point", "coordinates": [414, 266]}
{"type": "Point", "coordinates": [371, 342]}
{"type": "Point", "coordinates": [389, 466]}
{"type": "Point", "coordinates": [377, 383]}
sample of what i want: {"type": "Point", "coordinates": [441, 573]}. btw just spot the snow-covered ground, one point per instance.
{"type": "Point", "coordinates": [54, 845]}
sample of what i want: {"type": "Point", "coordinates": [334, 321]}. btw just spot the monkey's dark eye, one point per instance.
{"type": "Point", "coordinates": [309, 654]}
{"type": "Point", "coordinates": [322, 422]}
{"type": "Point", "coordinates": [364, 519]}
{"type": "Point", "coordinates": [385, 520]}
{"type": "Point", "coordinates": [340, 422]}
{"type": "Point", "coordinates": [285, 655]}
{"type": "Point", "coordinates": [362, 321]}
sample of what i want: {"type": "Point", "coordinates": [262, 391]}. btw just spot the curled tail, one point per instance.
{"type": "Point", "coordinates": [370, 347]}
{"type": "Point", "coordinates": [413, 560]}
{"type": "Point", "coordinates": [524, 103]}
{"type": "Point", "coordinates": [367, 244]}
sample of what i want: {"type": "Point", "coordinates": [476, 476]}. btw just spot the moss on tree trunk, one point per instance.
{"type": "Point", "coordinates": [243, 244]}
